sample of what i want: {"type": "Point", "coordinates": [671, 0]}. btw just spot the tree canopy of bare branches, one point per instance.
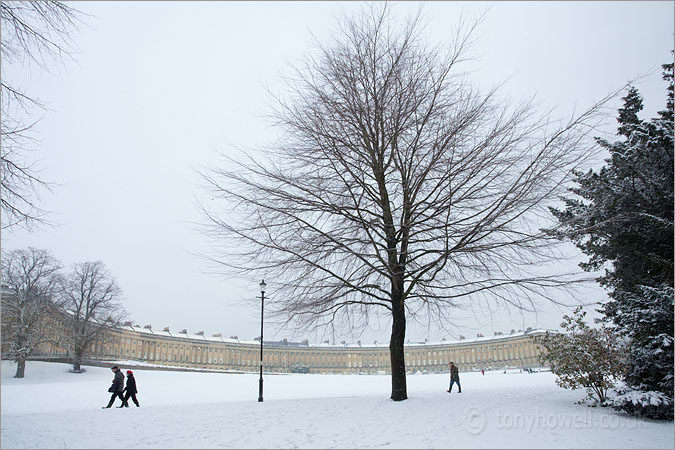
{"type": "Point", "coordinates": [36, 32]}
{"type": "Point", "coordinates": [396, 186]}
{"type": "Point", "coordinates": [30, 286]}
{"type": "Point", "coordinates": [91, 297]}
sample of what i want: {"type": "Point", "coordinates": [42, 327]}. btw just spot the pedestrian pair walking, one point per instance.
{"type": "Point", "coordinates": [118, 389]}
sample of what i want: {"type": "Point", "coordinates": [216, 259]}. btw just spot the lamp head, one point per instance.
{"type": "Point", "coordinates": [262, 286]}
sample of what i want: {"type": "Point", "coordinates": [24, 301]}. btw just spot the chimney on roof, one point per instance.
{"type": "Point", "coordinates": [166, 329]}
{"type": "Point", "coordinates": [183, 331]}
{"type": "Point", "coordinates": [217, 335]}
{"type": "Point", "coordinates": [461, 337]}
{"type": "Point", "coordinates": [199, 333]}
{"type": "Point", "coordinates": [148, 327]}
{"type": "Point", "coordinates": [127, 324]}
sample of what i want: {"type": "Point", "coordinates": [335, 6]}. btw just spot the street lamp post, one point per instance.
{"type": "Point", "coordinates": [262, 310]}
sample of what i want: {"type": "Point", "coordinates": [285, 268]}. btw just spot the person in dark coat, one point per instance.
{"type": "Point", "coordinates": [454, 377]}
{"type": "Point", "coordinates": [117, 387]}
{"type": "Point", "coordinates": [130, 389]}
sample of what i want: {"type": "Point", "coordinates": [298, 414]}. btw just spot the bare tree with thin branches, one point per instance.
{"type": "Point", "coordinates": [91, 298]}
{"type": "Point", "coordinates": [30, 285]}
{"type": "Point", "coordinates": [395, 186]}
{"type": "Point", "coordinates": [33, 32]}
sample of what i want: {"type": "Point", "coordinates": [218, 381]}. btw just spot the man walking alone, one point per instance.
{"type": "Point", "coordinates": [454, 377]}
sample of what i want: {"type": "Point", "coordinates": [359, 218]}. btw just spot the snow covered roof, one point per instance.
{"type": "Point", "coordinates": [201, 336]}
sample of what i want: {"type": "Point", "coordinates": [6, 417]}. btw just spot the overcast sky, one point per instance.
{"type": "Point", "coordinates": [157, 89]}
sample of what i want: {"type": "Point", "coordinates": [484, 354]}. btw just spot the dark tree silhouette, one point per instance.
{"type": "Point", "coordinates": [34, 32]}
{"type": "Point", "coordinates": [395, 187]}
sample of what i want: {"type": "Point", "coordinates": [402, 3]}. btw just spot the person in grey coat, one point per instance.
{"type": "Point", "coordinates": [116, 388]}
{"type": "Point", "coordinates": [454, 377]}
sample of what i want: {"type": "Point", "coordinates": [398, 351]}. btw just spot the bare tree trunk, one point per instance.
{"type": "Point", "coordinates": [399, 390]}
{"type": "Point", "coordinates": [20, 367]}
{"type": "Point", "coordinates": [78, 357]}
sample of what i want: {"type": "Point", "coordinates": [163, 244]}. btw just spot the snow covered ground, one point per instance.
{"type": "Point", "coordinates": [52, 408]}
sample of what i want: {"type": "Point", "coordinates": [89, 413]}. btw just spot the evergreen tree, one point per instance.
{"type": "Point", "coordinates": [622, 218]}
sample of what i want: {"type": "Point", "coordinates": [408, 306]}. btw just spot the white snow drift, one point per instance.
{"type": "Point", "coordinates": [52, 408]}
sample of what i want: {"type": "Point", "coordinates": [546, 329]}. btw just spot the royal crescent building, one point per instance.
{"type": "Point", "coordinates": [167, 348]}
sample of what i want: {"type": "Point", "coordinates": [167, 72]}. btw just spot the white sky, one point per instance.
{"type": "Point", "coordinates": [158, 88]}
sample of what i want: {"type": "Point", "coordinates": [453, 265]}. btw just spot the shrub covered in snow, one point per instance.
{"type": "Point", "coordinates": [652, 404]}
{"type": "Point", "coordinates": [585, 357]}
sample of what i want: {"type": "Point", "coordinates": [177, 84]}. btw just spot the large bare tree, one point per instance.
{"type": "Point", "coordinates": [92, 299]}
{"type": "Point", "coordinates": [30, 284]}
{"type": "Point", "coordinates": [395, 186]}
{"type": "Point", "coordinates": [37, 33]}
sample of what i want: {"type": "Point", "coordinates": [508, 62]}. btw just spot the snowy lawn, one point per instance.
{"type": "Point", "coordinates": [52, 408]}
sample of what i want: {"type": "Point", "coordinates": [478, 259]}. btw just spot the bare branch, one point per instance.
{"type": "Point", "coordinates": [39, 33]}
{"type": "Point", "coordinates": [396, 185]}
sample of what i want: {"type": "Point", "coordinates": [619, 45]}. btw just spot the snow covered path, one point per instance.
{"type": "Point", "coordinates": [51, 408]}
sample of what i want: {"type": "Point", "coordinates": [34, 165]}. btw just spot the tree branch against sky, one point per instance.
{"type": "Point", "coordinates": [33, 33]}
{"type": "Point", "coordinates": [397, 186]}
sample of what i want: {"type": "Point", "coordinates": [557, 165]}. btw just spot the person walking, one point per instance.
{"type": "Point", "coordinates": [454, 377]}
{"type": "Point", "coordinates": [117, 387]}
{"type": "Point", "coordinates": [130, 389]}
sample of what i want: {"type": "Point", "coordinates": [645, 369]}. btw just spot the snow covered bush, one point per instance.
{"type": "Point", "coordinates": [651, 404]}
{"type": "Point", "coordinates": [584, 357]}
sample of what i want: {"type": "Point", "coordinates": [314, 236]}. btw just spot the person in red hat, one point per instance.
{"type": "Point", "coordinates": [130, 390]}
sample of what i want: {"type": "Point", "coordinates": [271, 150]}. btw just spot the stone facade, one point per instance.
{"type": "Point", "coordinates": [182, 349]}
